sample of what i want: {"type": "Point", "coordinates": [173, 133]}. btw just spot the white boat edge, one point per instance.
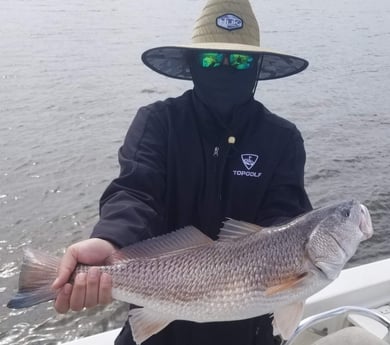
{"type": "Point", "coordinates": [366, 285]}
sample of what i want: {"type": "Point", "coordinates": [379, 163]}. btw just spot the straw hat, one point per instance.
{"type": "Point", "coordinates": [224, 25]}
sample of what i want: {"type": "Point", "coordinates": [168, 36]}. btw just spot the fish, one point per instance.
{"type": "Point", "coordinates": [247, 272]}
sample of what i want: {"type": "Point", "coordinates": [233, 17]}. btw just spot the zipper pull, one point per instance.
{"type": "Point", "coordinates": [216, 151]}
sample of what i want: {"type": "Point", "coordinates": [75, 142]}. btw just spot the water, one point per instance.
{"type": "Point", "coordinates": [71, 80]}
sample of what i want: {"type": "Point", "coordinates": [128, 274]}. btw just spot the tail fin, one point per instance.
{"type": "Point", "coordinates": [38, 273]}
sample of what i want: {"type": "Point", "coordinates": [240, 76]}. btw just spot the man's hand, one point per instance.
{"type": "Point", "coordinates": [89, 289]}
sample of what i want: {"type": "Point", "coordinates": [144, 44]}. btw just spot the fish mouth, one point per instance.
{"type": "Point", "coordinates": [365, 224]}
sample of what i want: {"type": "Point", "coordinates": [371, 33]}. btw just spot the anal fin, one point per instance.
{"type": "Point", "coordinates": [144, 323]}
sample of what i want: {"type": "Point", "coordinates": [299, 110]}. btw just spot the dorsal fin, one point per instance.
{"type": "Point", "coordinates": [233, 229]}
{"type": "Point", "coordinates": [179, 240]}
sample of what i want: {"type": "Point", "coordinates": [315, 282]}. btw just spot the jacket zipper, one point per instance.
{"type": "Point", "coordinates": [219, 169]}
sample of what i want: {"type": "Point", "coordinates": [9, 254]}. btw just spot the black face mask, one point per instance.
{"type": "Point", "coordinates": [223, 88]}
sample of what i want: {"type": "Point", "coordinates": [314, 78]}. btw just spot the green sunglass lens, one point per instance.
{"type": "Point", "coordinates": [236, 60]}
{"type": "Point", "coordinates": [210, 60]}
{"type": "Point", "coordinates": [240, 61]}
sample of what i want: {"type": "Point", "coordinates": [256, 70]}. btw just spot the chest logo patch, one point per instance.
{"type": "Point", "coordinates": [249, 160]}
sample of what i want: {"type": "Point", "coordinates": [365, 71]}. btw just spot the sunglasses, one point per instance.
{"type": "Point", "coordinates": [236, 60]}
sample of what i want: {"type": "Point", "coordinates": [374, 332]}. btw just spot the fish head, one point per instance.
{"type": "Point", "coordinates": [335, 238]}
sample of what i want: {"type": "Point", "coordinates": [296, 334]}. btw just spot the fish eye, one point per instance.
{"type": "Point", "coordinates": [346, 213]}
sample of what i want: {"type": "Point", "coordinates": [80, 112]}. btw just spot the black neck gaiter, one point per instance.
{"type": "Point", "coordinates": [223, 88]}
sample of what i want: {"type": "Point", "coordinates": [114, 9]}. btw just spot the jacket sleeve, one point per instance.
{"type": "Point", "coordinates": [286, 197]}
{"type": "Point", "coordinates": [131, 208]}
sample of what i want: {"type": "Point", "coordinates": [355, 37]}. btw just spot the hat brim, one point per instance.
{"type": "Point", "coordinates": [172, 61]}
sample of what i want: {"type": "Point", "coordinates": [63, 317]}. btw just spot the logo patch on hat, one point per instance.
{"type": "Point", "coordinates": [230, 22]}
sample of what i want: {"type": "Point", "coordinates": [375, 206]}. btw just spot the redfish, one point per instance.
{"type": "Point", "coordinates": [249, 271]}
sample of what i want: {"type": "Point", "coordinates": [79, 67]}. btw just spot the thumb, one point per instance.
{"type": "Point", "coordinates": [66, 267]}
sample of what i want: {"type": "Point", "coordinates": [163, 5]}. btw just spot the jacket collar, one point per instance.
{"type": "Point", "coordinates": [217, 128]}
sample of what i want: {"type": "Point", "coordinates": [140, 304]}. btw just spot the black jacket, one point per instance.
{"type": "Point", "coordinates": [178, 169]}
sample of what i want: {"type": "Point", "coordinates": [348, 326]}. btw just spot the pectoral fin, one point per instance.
{"type": "Point", "coordinates": [287, 319]}
{"type": "Point", "coordinates": [285, 285]}
{"type": "Point", "coordinates": [144, 323]}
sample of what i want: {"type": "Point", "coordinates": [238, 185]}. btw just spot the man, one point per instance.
{"type": "Point", "coordinates": [212, 153]}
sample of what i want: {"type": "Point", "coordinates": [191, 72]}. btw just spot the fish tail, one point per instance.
{"type": "Point", "coordinates": [38, 273]}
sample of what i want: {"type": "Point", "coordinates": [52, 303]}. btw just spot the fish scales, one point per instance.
{"type": "Point", "coordinates": [224, 275]}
